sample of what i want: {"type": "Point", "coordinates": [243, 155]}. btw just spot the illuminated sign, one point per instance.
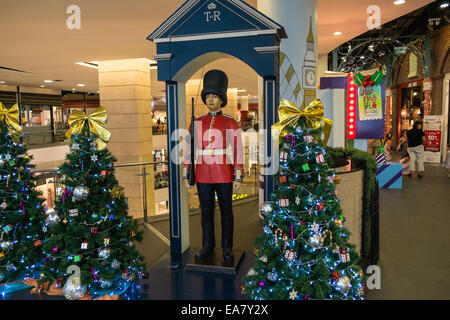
{"type": "Point", "coordinates": [351, 106]}
{"type": "Point", "coordinates": [236, 196]}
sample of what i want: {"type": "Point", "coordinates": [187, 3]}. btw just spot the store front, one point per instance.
{"type": "Point", "coordinates": [411, 103]}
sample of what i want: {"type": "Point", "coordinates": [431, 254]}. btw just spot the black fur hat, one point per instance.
{"type": "Point", "coordinates": [215, 82]}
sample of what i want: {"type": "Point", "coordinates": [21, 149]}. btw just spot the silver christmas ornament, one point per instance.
{"type": "Point", "coordinates": [104, 284]}
{"type": "Point", "coordinates": [49, 211]}
{"type": "Point", "coordinates": [344, 284]}
{"type": "Point", "coordinates": [80, 193]}
{"type": "Point", "coordinates": [115, 264]}
{"type": "Point", "coordinates": [104, 253]}
{"type": "Point", "coordinates": [316, 240]}
{"type": "Point", "coordinates": [265, 209]}
{"type": "Point", "coordinates": [73, 289]}
{"type": "Point", "coordinates": [5, 245]}
{"type": "Point", "coordinates": [52, 219]}
{"type": "Point", "coordinates": [272, 276]}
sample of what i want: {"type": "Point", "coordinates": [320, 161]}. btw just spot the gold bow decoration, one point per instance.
{"type": "Point", "coordinates": [290, 114]}
{"type": "Point", "coordinates": [95, 122]}
{"type": "Point", "coordinates": [11, 118]}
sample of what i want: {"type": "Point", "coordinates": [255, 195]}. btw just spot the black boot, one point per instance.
{"type": "Point", "coordinates": [228, 255]}
{"type": "Point", "coordinates": [203, 253]}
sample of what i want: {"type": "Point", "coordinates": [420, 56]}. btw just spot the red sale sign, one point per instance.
{"type": "Point", "coordinates": [432, 140]}
{"type": "Point", "coordinates": [432, 128]}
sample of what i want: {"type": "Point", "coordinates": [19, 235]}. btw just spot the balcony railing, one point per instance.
{"type": "Point", "coordinates": [153, 182]}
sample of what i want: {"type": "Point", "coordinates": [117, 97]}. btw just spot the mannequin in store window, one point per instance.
{"type": "Point", "coordinates": [217, 171]}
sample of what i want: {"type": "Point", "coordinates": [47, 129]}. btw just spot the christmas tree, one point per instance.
{"type": "Point", "coordinates": [21, 213]}
{"type": "Point", "coordinates": [304, 252]}
{"type": "Point", "coordinates": [90, 228]}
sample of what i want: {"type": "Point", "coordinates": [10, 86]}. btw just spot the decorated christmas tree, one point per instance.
{"type": "Point", "coordinates": [304, 252]}
{"type": "Point", "coordinates": [22, 218]}
{"type": "Point", "coordinates": [90, 228]}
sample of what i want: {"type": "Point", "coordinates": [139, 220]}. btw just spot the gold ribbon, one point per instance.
{"type": "Point", "coordinates": [95, 121]}
{"type": "Point", "coordinates": [290, 114]}
{"type": "Point", "coordinates": [11, 118]}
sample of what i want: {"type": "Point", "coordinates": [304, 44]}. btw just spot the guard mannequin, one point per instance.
{"type": "Point", "coordinates": [219, 164]}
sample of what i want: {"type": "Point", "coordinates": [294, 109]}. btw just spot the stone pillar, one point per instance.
{"type": "Point", "coordinates": [298, 61]}
{"type": "Point", "coordinates": [427, 86]}
{"type": "Point", "coordinates": [125, 93]}
{"type": "Point", "coordinates": [387, 125]}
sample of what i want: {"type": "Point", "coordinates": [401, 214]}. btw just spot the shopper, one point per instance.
{"type": "Point", "coordinates": [416, 137]}
{"type": "Point", "coordinates": [387, 146]}
{"type": "Point", "coordinates": [403, 147]}
{"type": "Point", "coordinates": [446, 163]}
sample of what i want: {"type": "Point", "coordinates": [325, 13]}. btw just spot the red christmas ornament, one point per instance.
{"type": "Point", "coordinates": [103, 173]}
{"type": "Point", "coordinates": [283, 179]}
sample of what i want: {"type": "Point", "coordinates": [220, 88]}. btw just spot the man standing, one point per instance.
{"type": "Point", "coordinates": [416, 137]}
{"type": "Point", "coordinates": [219, 164]}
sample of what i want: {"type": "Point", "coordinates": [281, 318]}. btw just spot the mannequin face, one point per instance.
{"type": "Point", "coordinates": [213, 102]}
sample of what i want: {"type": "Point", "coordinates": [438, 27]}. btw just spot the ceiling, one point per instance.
{"type": "Point", "coordinates": [35, 39]}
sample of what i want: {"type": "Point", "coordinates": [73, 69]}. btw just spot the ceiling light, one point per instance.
{"type": "Point", "coordinates": [241, 90]}
{"type": "Point", "coordinates": [1, 81]}
{"type": "Point", "coordinates": [48, 81]}
{"type": "Point", "coordinates": [444, 5]}
{"type": "Point", "coordinates": [88, 64]}
{"type": "Point", "coordinates": [337, 33]}
{"type": "Point", "coordinates": [398, 2]}
{"type": "Point", "coordinates": [42, 86]}
{"type": "Point", "coordinates": [81, 84]}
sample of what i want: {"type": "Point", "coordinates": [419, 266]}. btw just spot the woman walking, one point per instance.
{"type": "Point", "coordinates": [416, 137]}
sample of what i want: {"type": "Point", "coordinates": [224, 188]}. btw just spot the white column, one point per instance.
{"type": "Point", "coordinates": [298, 61]}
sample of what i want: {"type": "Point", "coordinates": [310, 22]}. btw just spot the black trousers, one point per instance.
{"type": "Point", "coordinates": [207, 204]}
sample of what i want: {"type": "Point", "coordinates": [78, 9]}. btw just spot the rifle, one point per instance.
{"type": "Point", "coordinates": [191, 174]}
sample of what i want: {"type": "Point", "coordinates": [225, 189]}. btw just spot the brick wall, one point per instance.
{"type": "Point", "coordinates": [440, 65]}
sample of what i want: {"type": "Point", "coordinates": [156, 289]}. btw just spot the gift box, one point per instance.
{"type": "Point", "coordinates": [389, 176]}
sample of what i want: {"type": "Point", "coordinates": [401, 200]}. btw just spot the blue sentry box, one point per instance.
{"type": "Point", "coordinates": [389, 176]}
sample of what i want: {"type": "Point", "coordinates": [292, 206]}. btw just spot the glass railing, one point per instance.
{"type": "Point", "coordinates": [146, 186]}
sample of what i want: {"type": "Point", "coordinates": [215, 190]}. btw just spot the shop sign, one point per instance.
{"type": "Point", "coordinates": [400, 50]}
{"type": "Point", "coordinates": [432, 127]}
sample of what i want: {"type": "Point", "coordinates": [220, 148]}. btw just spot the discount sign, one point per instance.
{"type": "Point", "coordinates": [432, 128]}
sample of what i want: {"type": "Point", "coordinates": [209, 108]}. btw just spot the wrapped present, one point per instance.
{"type": "Point", "coordinates": [344, 256]}
{"type": "Point", "coordinates": [389, 176]}
{"type": "Point", "coordinates": [290, 254]}
{"type": "Point", "coordinates": [283, 179]}
{"type": "Point", "coordinates": [320, 158]}
{"type": "Point", "coordinates": [283, 156]}
{"type": "Point", "coordinates": [283, 202]}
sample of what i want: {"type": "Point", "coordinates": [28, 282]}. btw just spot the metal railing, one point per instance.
{"type": "Point", "coordinates": [249, 186]}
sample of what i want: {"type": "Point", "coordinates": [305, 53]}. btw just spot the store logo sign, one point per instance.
{"type": "Point", "coordinates": [213, 15]}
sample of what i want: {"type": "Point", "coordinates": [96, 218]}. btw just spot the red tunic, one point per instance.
{"type": "Point", "coordinates": [219, 152]}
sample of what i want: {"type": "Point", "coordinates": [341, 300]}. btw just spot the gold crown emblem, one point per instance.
{"type": "Point", "coordinates": [212, 6]}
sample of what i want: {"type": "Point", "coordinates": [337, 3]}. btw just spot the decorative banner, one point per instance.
{"type": "Point", "coordinates": [370, 123]}
{"type": "Point", "coordinates": [370, 104]}
{"type": "Point", "coordinates": [432, 127]}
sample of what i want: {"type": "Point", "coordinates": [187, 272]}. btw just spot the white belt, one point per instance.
{"type": "Point", "coordinates": [212, 152]}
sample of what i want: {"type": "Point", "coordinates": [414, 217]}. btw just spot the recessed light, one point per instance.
{"type": "Point", "coordinates": [48, 81]}
{"type": "Point", "coordinates": [42, 86]}
{"type": "Point", "coordinates": [1, 81]}
{"type": "Point", "coordinates": [88, 64]}
{"type": "Point", "coordinates": [337, 33]}
{"type": "Point", "coordinates": [81, 84]}
{"type": "Point", "coordinates": [398, 2]}
{"type": "Point", "coordinates": [444, 5]}
{"type": "Point", "coordinates": [241, 90]}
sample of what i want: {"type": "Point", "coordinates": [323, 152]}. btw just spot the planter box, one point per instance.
{"type": "Point", "coordinates": [350, 194]}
